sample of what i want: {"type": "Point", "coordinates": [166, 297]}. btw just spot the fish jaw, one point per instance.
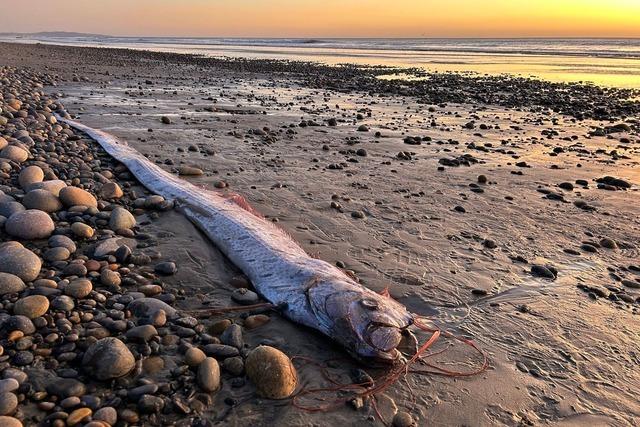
{"type": "Point", "coordinates": [368, 325]}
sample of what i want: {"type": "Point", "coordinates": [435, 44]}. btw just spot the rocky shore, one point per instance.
{"type": "Point", "coordinates": [84, 312]}
{"type": "Point", "coordinates": [504, 209]}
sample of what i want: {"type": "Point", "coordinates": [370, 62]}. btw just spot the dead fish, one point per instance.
{"type": "Point", "coordinates": [310, 291]}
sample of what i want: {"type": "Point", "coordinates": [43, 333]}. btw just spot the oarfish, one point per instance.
{"type": "Point", "coordinates": [311, 292]}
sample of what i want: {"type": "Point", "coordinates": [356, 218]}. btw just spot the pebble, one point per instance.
{"type": "Point", "coordinates": [54, 186]}
{"type": "Point", "coordinates": [10, 284]}
{"type": "Point", "coordinates": [403, 419]}
{"type": "Point", "coordinates": [190, 171]}
{"type": "Point", "coordinates": [208, 375]}
{"type": "Point", "coordinates": [121, 219]}
{"type": "Point", "coordinates": [42, 200]}
{"type": "Point", "coordinates": [79, 288]}
{"type": "Point", "coordinates": [256, 320]}
{"type": "Point", "coordinates": [111, 190]}
{"type": "Point", "coordinates": [141, 333]}
{"type": "Point", "coordinates": [14, 153]}
{"type": "Point", "coordinates": [78, 415]}
{"type": "Point", "coordinates": [30, 224]}
{"type": "Point", "coordinates": [194, 356]}
{"type": "Point", "coordinates": [245, 297]}
{"type": "Point", "coordinates": [108, 358]}
{"type": "Point", "coordinates": [145, 307]}
{"type": "Point", "coordinates": [543, 271]}
{"type": "Point", "coordinates": [82, 230]}
{"type": "Point", "coordinates": [31, 306]}
{"type": "Point", "coordinates": [74, 196]}
{"type": "Point", "coordinates": [9, 422]}
{"type": "Point", "coordinates": [30, 175]}
{"type": "Point", "coordinates": [66, 387]}
{"type": "Point", "coordinates": [17, 260]}
{"type": "Point", "coordinates": [232, 336]}
{"type": "Point", "coordinates": [272, 372]}
{"type": "Point", "coordinates": [149, 404]}
{"type": "Point", "coordinates": [8, 403]}
{"type": "Point", "coordinates": [8, 385]}
{"type": "Point", "coordinates": [166, 268]}
{"type": "Point", "coordinates": [107, 414]}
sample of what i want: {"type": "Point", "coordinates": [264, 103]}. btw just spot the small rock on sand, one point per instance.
{"type": "Point", "coordinates": [208, 376]}
{"type": "Point", "coordinates": [189, 171]}
{"type": "Point", "coordinates": [272, 372]}
{"type": "Point", "coordinates": [121, 219]}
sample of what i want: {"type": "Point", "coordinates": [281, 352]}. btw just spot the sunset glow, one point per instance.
{"type": "Point", "coordinates": [328, 18]}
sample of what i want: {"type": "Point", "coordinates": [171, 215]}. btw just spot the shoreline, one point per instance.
{"type": "Point", "coordinates": [391, 214]}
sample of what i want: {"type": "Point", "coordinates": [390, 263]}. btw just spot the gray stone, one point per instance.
{"type": "Point", "coordinates": [10, 284]}
{"type": "Point", "coordinates": [31, 224]}
{"type": "Point", "coordinates": [108, 358]}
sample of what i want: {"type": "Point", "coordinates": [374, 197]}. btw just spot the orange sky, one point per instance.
{"type": "Point", "coordinates": [327, 18]}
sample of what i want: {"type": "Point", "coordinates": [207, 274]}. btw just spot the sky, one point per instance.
{"type": "Point", "coordinates": [327, 18]}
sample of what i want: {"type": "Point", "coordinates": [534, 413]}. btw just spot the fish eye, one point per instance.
{"type": "Point", "coordinates": [369, 304]}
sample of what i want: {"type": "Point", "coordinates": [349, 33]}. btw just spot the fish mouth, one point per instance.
{"type": "Point", "coordinates": [383, 340]}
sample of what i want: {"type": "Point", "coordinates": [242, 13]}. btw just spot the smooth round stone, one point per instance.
{"type": "Point", "coordinates": [19, 323]}
{"type": "Point", "coordinates": [30, 175]}
{"type": "Point", "coordinates": [145, 307]}
{"type": "Point", "coordinates": [208, 375]}
{"type": "Point", "coordinates": [32, 306]}
{"type": "Point", "coordinates": [234, 365]}
{"type": "Point", "coordinates": [3, 142]}
{"type": "Point", "coordinates": [110, 278]}
{"type": "Point", "coordinates": [10, 284]}
{"type": "Point", "coordinates": [17, 260]}
{"type": "Point", "coordinates": [60, 241]}
{"type": "Point", "coordinates": [121, 219]}
{"type": "Point", "coordinates": [66, 387]}
{"type": "Point", "coordinates": [245, 296]}
{"type": "Point", "coordinates": [189, 171]}
{"type": "Point", "coordinates": [78, 415]}
{"type": "Point", "coordinates": [9, 208]}
{"type": "Point", "coordinates": [56, 254]}
{"type": "Point", "coordinates": [74, 196]}
{"type": "Point", "coordinates": [166, 268]}
{"type": "Point", "coordinates": [79, 288]}
{"type": "Point", "coordinates": [232, 336]}
{"type": "Point", "coordinates": [82, 230]}
{"type": "Point", "coordinates": [15, 374]}
{"type": "Point", "coordinates": [256, 321]}
{"type": "Point", "coordinates": [42, 200]}
{"type": "Point", "coordinates": [403, 419]}
{"type": "Point", "coordinates": [8, 385]}
{"type": "Point", "coordinates": [272, 372]}
{"type": "Point", "coordinates": [141, 333]}
{"type": "Point", "coordinates": [107, 414]}
{"type": "Point", "coordinates": [111, 190]}
{"type": "Point", "coordinates": [31, 224]}
{"type": "Point", "coordinates": [10, 422]}
{"type": "Point", "coordinates": [53, 186]}
{"type": "Point", "coordinates": [14, 153]}
{"type": "Point", "coordinates": [108, 358]}
{"type": "Point", "coordinates": [194, 356]}
{"type": "Point", "coordinates": [8, 403]}
{"type": "Point", "coordinates": [62, 303]}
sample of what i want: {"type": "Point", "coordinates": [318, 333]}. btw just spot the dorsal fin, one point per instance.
{"type": "Point", "coordinates": [243, 203]}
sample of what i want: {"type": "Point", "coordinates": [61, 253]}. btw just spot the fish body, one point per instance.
{"type": "Point", "coordinates": [311, 292]}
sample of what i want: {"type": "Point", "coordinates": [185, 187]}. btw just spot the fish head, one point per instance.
{"type": "Point", "coordinates": [369, 325]}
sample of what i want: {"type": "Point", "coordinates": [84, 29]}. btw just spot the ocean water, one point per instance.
{"type": "Point", "coordinates": [607, 62]}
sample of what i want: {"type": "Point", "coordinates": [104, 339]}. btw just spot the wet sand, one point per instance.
{"type": "Point", "coordinates": [562, 350]}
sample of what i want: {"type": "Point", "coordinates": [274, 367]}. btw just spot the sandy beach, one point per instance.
{"type": "Point", "coordinates": [503, 210]}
